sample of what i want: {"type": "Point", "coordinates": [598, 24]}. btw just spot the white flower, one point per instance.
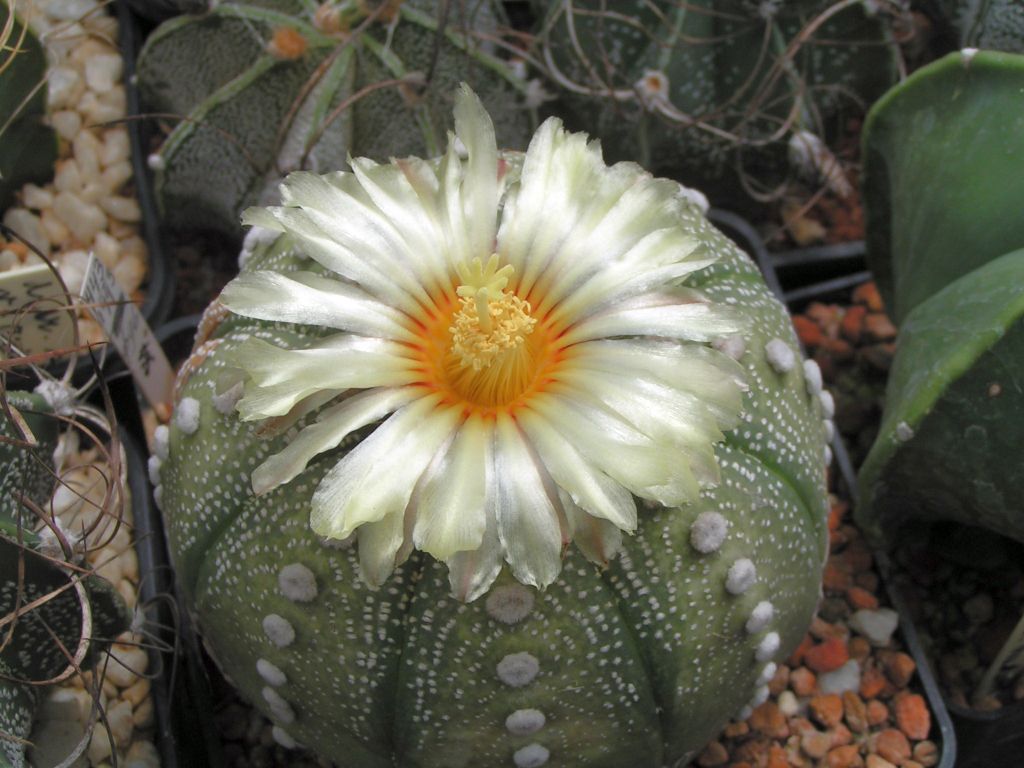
{"type": "Point", "coordinates": [525, 332]}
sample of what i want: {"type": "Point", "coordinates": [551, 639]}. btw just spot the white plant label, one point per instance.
{"type": "Point", "coordinates": [34, 316]}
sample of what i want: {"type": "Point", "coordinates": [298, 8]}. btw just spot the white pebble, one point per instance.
{"type": "Point", "coordinates": [271, 673]}
{"type": "Point", "coordinates": [115, 175]}
{"type": "Point", "coordinates": [56, 231]}
{"type": "Point", "coordinates": [768, 647]}
{"type": "Point", "coordinates": [186, 415]}
{"type": "Point", "coordinates": [107, 249]}
{"type": "Point", "coordinates": [36, 197]}
{"type": "Point", "coordinates": [846, 678]}
{"type": "Point", "coordinates": [119, 720]}
{"type": "Point", "coordinates": [760, 616]}
{"type": "Point", "coordinates": [161, 441]}
{"type": "Point", "coordinates": [129, 273]}
{"type": "Point", "coordinates": [741, 576]}
{"type": "Point", "coordinates": [142, 754]}
{"type": "Point", "coordinates": [297, 582]}
{"type": "Point", "coordinates": [8, 260]}
{"type": "Point", "coordinates": [279, 708]}
{"type": "Point", "coordinates": [103, 71]}
{"type": "Point", "coordinates": [531, 756]}
{"type": "Point", "coordinates": [126, 664]}
{"type": "Point", "coordinates": [518, 669]}
{"type": "Point", "coordinates": [788, 703]}
{"type": "Point", "coordinates": [510, 603]}
{"type": "Point", "coordinates": [67, 123]}
{"type": "Point", "coordinates": [63, 87]}
{"type": "Point", "coordinates": [68, 177]}
{"type": "Point", "coordinates": [86, 149]}
{"type": "Point", "coordinates": [83, 219]}
{"type": "Point", "coordinates": [278, 630]}
{"type": "Point", "coordinates": [876, 625]}
{"type": "Point", "coordinates": [116, 146]}
{"type": "Point", "coordinates": [122, 208]}
{"type": "Point", "coordinates": [28, 226]}
{"type": "Point", "coordinates": [812, 378]}
{"type": "Point", "coordinates": [780, 355]}
{"type": "Point", "coordinates": [523, 722]}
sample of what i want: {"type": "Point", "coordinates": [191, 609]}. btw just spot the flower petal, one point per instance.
{"type": "Point", "coordinates": [528, 521]}
{"type": "Point", "coordinates": [280, 378]}
{"type": "Point", "coordinates": [331, 427]}
{"type": "Point", "coordinates": [480, 187]}
{"type": "Point", "coordinates": [450, 511]}
{"type": "Point", "coordinates": [598, 540]}
{"type": "Point", "coordinates": [588, 487]}
{"type": "Point", "coordinates": [304, 297]}
{"type": "Point", "coordinates": [471, 573]}
{"type": "Point", "coordinates": [377, 477]}
{"type": "Point", "coordinates": [379, 543]}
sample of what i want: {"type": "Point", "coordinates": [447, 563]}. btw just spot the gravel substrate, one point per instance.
{"type": "Point", "coordinates": [89, 205]}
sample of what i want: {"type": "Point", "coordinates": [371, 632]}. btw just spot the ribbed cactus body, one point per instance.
{"type": "Point", "coordinates": [261, 89]}
{"type": "Point", "coordinates": [638, 664]}
{"type": "Point", "coordinates": [701, 90]}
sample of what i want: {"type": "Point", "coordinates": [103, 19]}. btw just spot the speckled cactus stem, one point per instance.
{"type": "Point", "coordinates": [944, 170]}
{"type": "Point", "coordinates": [734, 96]}
{"type": "Point", "coordinates": [586, 532]}
{"type": "Point", "coordinates": [257, 89]}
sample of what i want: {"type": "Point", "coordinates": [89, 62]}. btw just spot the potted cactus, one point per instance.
{"type": "Point", "coordinates": [942, 178]}
{"type": "Point", "coordinates": [524, 424]}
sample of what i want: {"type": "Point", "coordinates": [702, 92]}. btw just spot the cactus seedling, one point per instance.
{"type": "Point", "coordinates": [261, 89]}
{"type": "Point", "coordinates": [590, 525]}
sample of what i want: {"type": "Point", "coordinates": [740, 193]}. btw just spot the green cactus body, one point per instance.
{"type": "Point", "coordinates": [251, 112]}
{"type": "Point", "coordinates": [636, 664]}
{"type": "Point", "coordinates": [28, 148]}
{"type": "Point", "coordinates": [950, 442]}
{"type": "Point", "coordinates": [697, 90]}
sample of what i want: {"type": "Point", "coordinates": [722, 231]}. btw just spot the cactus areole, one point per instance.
{"type": "Point", "coordinates": [483, 461]}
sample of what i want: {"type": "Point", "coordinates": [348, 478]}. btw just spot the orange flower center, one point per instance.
{"type": "Point", "coordinates": [484, 349]}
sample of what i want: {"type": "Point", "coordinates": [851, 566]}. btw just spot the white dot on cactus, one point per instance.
{"type": "Point", "coordinates": [708, 532]}
{"type": "Point", "coordinates": [297, 583]}
{"type": "Point", "coordinates": [531, 756]}
{"type": "Point", "coordinates": [741, 576]}
{"type": "Point", "coordinates": [780, 355]}
{"type": "Point", "coordinates": [744, 713]}
{"type": "Point", "coordinates": [523, 722]}
{"type": "Point", "coordinates": [57, 395]}
{"type": "Point", "coordinates": [282, 737]}
{"type": "Point", "coordinates": [186, 415]}
{"type": "Point", "coordinates": [904, 432]}
{"type": "Point", "coordinates": [828, 404]}
{"type": "Point", "coordinates": [510, 603]}
{"type": "Point", "coordinates": [271, 673]}
{"type": "Point", "coordinates": [158, 497]}
{"type": "Point", "coordinates": [697, 198]}
{"type": "Point", "coordinates": [827, 454]}
{"type": "Point", "coordinates": [278, 630]}
{"type": "Point", "coordinates": [767, 673]}
{"type": "Point", "coordinates": [768, 646]}
{"type": "Point", "coordinates": [968, 54]}
{"type": "Point", "coordinates": [812, 378]}
{"type": "Point", "coordinates": [153, 465]}
{"type": "Point", "coordinates": [734, 346]}
{"type": "Point", "coordinates": [279, 708]}
{"type": "Point", "coordinates": [830, 429]}
{"type": "Point", "coordinates": [161, 441]}
{"type": "Point", "coordinates": [760, 616]}
{"type": "Point", "coordinates": [759, 698]}
{"type": "Point", "coordinates": [226, 401]}
{"type": "Point", "coordinates": [156, 162]}
{"type": "Point", "coordinates": [518, 669]}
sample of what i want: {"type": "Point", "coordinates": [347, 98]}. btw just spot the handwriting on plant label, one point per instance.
{"type": "Point", "coordinates": [129, 332]}
{"type": "Point", "coordinates": [33, 311]}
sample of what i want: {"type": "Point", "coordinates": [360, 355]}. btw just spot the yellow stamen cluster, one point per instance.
{"type": "Point", "coordinates": [486, 327]}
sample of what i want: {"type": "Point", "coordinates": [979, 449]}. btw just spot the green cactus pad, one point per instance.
{"type": "Point", "coordinates": [728, 66]}
{"type": "Point", "coordinates": [638, 664]}
{"type": "Point", "coordinates": [26, 471]}
{"type": "Point", "coordinates": [28, 148]}
{"type": "Point", "coordinates": [944, 175]}
{"type": "Point", "coordinates": [17, 705]}
{"type": "Point", "coordinates": [950, 442]}
{"type": "Point", "coordinates": [247, 117]}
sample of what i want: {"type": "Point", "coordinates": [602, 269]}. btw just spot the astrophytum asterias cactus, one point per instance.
{"type": "Point", "coordinates": [261, 88]}
{"type": "Point", "coordinates": [593, 520]}
{"type": "Point", "coordinates": [706, 88]}
{"type": "Point", "coordinates": [943, 181]}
